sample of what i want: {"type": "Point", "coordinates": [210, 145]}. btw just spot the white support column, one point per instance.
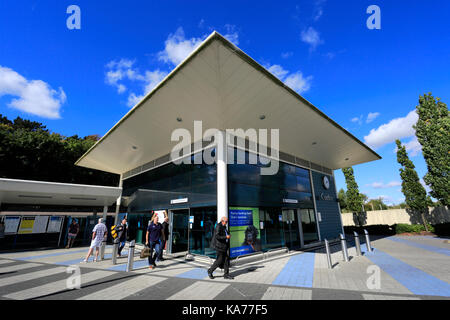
{"type": "Point", "coordinates": [118, 202]}
{"type": "Point", "coordinates": [105, 212]}
{"type": "Point", "coordinates": [222, 176]}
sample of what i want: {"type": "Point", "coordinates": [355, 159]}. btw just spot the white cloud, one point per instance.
{"type": "Point", "coordinates": [311, 37]}
{"type": "Point", "coordinates": [123, 70]}
{"type": "Point", "coordinates": [413, 147]}
{"type": "Point", "coordinates": [318, 10]}
{"type": "Point", "coordinates": [34, 96]}
{"type": "Point", "coordinates": [278, 71]}
{"type": "Point", "coordinates": [395, 129]}
{"type": "Point", "coordinates": [286, 55]}
{"type": "Point", "coordinates": [296, 81]}
{"type": "Point", "coordinates": [381, 185]}
{"type": "Point", "coordinates": [232, 35]}
{"type": "Point", "coordinates": [357, 119]}
{"type": "Point", "coordinates": [177, 47]}
{"type": "Point", "coordinates": [372, 116]}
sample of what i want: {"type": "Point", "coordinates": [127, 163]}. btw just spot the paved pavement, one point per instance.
{"type": "Point", "coordinates": [406, 268]}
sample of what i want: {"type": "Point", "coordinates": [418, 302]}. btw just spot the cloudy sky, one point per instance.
{"type": "Point", "coordinates": [83, 81]}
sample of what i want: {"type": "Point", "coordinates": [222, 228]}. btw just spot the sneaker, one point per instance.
{"type": "Point", "coordinates": [210, 275]}
{"type": "Point", "coordinates": [84, 261]}
{"type": "Point", "coordinates": [151, 267]}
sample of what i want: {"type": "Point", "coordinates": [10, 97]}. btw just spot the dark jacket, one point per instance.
{"type": "Point", "coordinates": [123, 232]}
{"type": "Point", "coordinates": [166, 231]}
{"type": "Point", "coordinates": [219, 241]}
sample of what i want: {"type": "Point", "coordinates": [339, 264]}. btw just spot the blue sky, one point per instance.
{"type": "Point", "coordinates": [83, 81]}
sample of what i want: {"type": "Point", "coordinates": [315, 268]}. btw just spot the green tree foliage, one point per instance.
{"type": "Point", "coordinates": [354, 198]}
{"type": "Point", "coordinates": [433, 133]}
{"type": "Point", "coordinates": [342, 198]}
{"type": "Point", "coordinates": [29, 151]}
{"type": "Point", "coordinates": [376, 204]}
{"type": "Point", "coordinates": [415, 194]}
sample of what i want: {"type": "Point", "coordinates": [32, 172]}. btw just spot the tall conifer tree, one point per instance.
{"type": "Point", "coordinates": [433, 133]}
{"type": "Point", "coordinates": [415, 193]}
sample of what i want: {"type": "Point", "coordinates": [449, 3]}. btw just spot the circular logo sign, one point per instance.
{"type": "Point", "coordinates": [326, 182]}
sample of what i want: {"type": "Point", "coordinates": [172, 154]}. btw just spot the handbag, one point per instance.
{"type": "Point", "coordinates": [145, 252]}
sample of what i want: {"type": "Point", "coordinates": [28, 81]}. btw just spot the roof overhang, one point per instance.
{"type": "Point", "coordinates": [53, 193]}
{"type": "Point", "coordinates": [225, 89]}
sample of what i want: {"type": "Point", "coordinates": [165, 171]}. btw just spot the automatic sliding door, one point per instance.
{"type": "Point", "coordinates": [309, 226]}
{"type": "Point", "coordinates": [180, 230]}
{"type": "Point", "coordinates": [291, 228]}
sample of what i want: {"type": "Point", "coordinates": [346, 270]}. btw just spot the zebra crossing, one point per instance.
{"type": "Point", "coordinates": [23, 280]}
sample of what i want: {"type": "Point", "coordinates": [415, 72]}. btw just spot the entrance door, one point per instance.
{"type": "Point", "coordinates": [179, 230]}
{"type": "Point", "coordinates": [291, 228]}
{"type": "Point", "coordinates": [309, 226]}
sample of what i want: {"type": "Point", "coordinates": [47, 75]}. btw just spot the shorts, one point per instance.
{"type": "Point", "coordinates": [72, 235]}
{"type": "Point", "coordinates": [96, 244]}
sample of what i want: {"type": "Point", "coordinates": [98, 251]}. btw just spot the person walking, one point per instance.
{"type": "Point", "coordinates": [165, 238]}
{"type": "Point", "coordinates": [123, 235]}
{"type": "Point", "coordinates": [152, 240]}
{"type": "Point", "coordinates": [98, 234]}
{"type": "Point", "coordinates": [221, 242]}
{"type": "Point", "coordinates": [74, 228]}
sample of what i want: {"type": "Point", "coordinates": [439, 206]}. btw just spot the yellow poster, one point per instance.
{"type": "Point", "coordinates": [26, 225]}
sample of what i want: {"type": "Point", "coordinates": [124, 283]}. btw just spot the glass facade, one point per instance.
{"type": "Point", "coordinates": [283, 201]}
{"type": "Point", "coordinates": [265, 211]}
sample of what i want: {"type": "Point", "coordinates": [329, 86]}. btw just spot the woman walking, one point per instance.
{"type": "Point", "coordinates": [152, 240]}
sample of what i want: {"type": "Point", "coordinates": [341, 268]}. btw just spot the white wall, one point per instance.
{"type": "Point", "coordinates": [394, 216]}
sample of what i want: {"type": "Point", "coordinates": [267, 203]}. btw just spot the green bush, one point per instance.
{"type": "Point", "coordinates": [411, 228]}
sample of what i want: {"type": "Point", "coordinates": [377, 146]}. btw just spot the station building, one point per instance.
{"type": "Point", "coordinates": [221, 86]}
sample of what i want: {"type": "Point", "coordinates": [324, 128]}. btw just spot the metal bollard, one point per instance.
{"type": "Point", "coordinates": [369, 247]}
{"type": "Point", "coordinates": [102, 250]}
{"type": "Point", "coordinates": [357, 244]}
{"type": "Point", "coordinates": [327, 247]}
{"type": "Point", "coordinates": [344, 247]}
{"type": "Point", "coordinates": [115, 250]}
{"type": "Point", "coordinates": [131, 256]}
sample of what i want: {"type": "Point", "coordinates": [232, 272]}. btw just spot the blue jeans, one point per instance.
{"type": "Point", "coordinates": [161, 249]}
{"type": "Point", "coordinates": [153, 245]}
{"type": "Point", "coordinates": [121, 246]}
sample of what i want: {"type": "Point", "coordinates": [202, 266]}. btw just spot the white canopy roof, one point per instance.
{"type": "Point", "coordinates": [55, 193]}
{"type": "Point", "coordinates": [226, 89]}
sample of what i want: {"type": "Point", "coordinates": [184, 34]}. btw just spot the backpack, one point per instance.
{"type": "Point", "coordinates": [115, 231]}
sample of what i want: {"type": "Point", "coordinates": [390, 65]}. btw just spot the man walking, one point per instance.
{"type": "Point", "coordinates": [221, 242]}
{"type": "Point", "coordinates": [123, 235]}
{"type": "Point", "coordinates": [98, 234]}
{"type": "Point", "coordinates": [164, 239]}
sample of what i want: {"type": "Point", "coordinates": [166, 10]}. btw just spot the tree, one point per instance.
{"type": "Point", "coordinates": [29, 151]}
{"type": "Point", "coordinates": [415, 193]}
{"type": "Point", "coordinates": [377, 204]}
{"type": "Point", "coordinates": [433, 133]}
{"type": "Point", "coordinates": [354, 198]}
{"type": "Point", "coordinates": [342, 198]}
